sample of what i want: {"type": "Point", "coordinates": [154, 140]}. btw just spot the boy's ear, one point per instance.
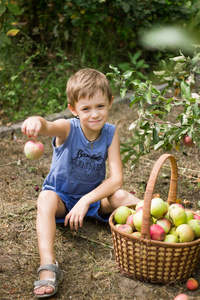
{"type": "Point", "coordinates": [111, 102]}
{"type": "Point", "coordinates": [73, 110]}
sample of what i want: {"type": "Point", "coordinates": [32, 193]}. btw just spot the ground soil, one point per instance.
{"type": "Point", "coordinates": [87, 256]}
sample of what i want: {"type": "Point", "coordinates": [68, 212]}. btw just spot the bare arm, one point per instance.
{"type": "Point", "coordinates": [34, 126]}
{"type": "Point", "coordinates": [105, 189]}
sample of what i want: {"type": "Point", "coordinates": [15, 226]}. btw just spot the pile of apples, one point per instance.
{"type": "Point", "coordinates": [169, 223]}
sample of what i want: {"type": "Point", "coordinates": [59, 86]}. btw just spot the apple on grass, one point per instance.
{"type": "Point", "coordinates": [34, 150]}
{"type": "Point", "coordinates": [181, 297]}
{"type": "Point", "coordinates": [192, 284]}
{"type": "Point", "coordinates": [121, 214]}
{"type": "Point", "coordinates": [125, 228]}
{"type": "Point", "coordinates": [158, 208]}
{"type": "Point", "coordinates": [185, 233]}
{"type": "Point", "coordinates": [157, 232]}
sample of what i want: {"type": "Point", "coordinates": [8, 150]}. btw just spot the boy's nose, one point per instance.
{"type": "Point", "coordinates": [94, 113]}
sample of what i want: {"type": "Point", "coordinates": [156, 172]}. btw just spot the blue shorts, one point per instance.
{"type": "Point", "coordinates": [70, 202]}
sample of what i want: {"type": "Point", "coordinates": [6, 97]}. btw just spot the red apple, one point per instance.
{"type": "Point", "coordinates": [129, 221]}
{"type": "Point", "coordinates": [165, 224]}
{"type": "Point", "coordinates": [187, 141]}
{"type": "Point", "coordinates": [181, 297]}
{"type": "Point", "coordinates": [157, 232]}
{"type": "Point", "coordinates": [192, 284]}
{"type": "Point", "coordinates": [121, 214]}
{"type": "Point", "coordinates": [125, 228]}
{"type": "Point", "coordinates": [34, 149]}
{"type": "Point", "coordinates": [197, 217]}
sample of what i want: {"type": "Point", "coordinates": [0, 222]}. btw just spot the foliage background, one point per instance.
{"type": "Point", "coordinates": [52, 39]}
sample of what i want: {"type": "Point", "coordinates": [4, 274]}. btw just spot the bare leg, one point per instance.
{"type": "Point", "coordinates": [49, 205]}
{"type": "Point", "coordinates": [119, 198]}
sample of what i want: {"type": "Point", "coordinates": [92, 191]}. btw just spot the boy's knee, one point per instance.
{"type": "Point", "coordinates": [46, 199]}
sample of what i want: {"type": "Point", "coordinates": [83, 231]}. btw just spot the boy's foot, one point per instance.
{"type": "Point", "coordinates": [49, 278]}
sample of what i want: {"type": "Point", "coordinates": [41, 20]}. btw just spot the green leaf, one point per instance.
{"type": "Point", "coordinates": [196, 109]}
{"type": "Point", "coordinates": [127, 74]}
{"type": "Point", "coordinates": [185, 89]}
{"type": "Point", "coordinates": [156, 131]}
{"type": "Point", "coordinates": [158, 145]}
{"type": "Point", "coordinates": [147, 97]}
{"type": "Point", "coordinates": [14, 9]}
{"type": "Point", "coordinates": [2, 9]}
{"type": "Point", "coordinates": [123, 92]}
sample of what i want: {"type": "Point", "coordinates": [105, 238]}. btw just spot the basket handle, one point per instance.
{"type": "Point", "coordinates": [172, 195]}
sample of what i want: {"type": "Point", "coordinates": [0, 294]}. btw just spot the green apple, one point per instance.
{"type": "Point", "coordinates": [165, 224]}
{"type": "Point", "coordinates": [195, 225]}
{"type": "Point", "coordinates": [139, 204]}
{"type": "Point", "coordinates": [121, 214]}
{"type": "Point", "coordinates": [137, 219]}
{"type": "Point", "coordinates": [178, 215]}
{"type": "Point", "coordinates": [185, 233]}
{"type": "Point", "coordinates": [189, 214]}
{"type": "Point", "coordinates": [171, 238]}
{"type": "Point", "coordinates": [136, 233]}
{"type": "Point", "coordinates": [158, 208]}
{"type": "Point", "coordinates": [173, 231]}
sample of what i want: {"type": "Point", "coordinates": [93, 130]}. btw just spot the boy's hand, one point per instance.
{"type": "Point", "coordinates": [31, 127]}
{"type": "Point", "coordinates": [76, 215]}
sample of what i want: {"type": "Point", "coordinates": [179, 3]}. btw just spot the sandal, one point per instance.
{"type": "Point", "coordinates": [53, 282]}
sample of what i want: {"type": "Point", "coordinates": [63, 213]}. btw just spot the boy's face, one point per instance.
{"type": "Point", "coordinates": [93, 112]}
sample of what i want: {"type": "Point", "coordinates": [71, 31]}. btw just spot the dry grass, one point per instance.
{"type": "Point", "coordinates": [86, 257]}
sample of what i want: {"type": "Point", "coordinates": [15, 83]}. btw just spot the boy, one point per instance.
{"type": "Point", "coordinates": [76, 186]}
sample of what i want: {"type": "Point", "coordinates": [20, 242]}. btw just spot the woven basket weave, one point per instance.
{"type": "Point", "coordinates": [153, 261]}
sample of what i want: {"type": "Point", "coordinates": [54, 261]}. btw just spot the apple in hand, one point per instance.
{"type": "Point", "coordinates": [165, 224]}
{"type": "Point", "coordinates": [34, 149]}
{"type": "Point", "coordinates": [181, 297]}
{"type": "Point", "coordinates": [177, 215]}
{"type": "Point", "coordinates": [187, 141]}
{"type": "Point", "coordinates": [158, 208]}
{"type": "Point", "coordinates": [195, 225]}
{"type": "Point", "coordinates": [157, 232]}
{"type": "Point", "coordinates": [121, 214]}
{"type": "Point", "coordinates": [125, 228]}
{"type": "Point", "coordinates": [171, 238]}
{"type": "Point", "coordinates": [185, 233]}
{"type": "Point", "coordinates": [192, 284]}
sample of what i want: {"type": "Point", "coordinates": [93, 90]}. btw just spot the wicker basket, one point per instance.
{"type": "Point", "coordinates": [153, 261]}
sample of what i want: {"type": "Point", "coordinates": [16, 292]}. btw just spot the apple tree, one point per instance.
{"type": "Point", "coordinates": [165, 119]}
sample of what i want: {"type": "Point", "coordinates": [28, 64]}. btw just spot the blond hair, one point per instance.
{"type": "Point", "coordinates": [85, 83]}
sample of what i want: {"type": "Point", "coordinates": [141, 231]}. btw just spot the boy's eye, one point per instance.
{"type": "Point", "coordinates": [85, 108]}
{"type": "Point", "coordinates": [101, 105]}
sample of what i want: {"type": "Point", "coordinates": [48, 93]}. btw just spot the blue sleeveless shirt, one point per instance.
{"type": "Point", "coordinates": [79, 166]}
